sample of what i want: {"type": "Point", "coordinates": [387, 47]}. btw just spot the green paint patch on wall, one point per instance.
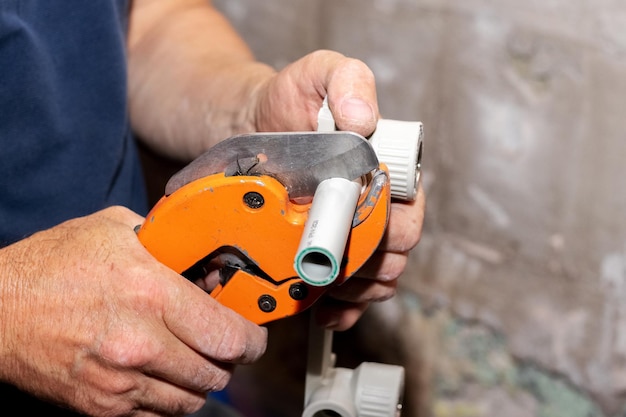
{"type": "Point", "coordinates": [476, 355]}
{"type": "Point", "coordinates": [556, 398]}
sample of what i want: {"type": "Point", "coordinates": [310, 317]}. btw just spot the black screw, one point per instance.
{"type": "Point", "coordinates": [253, 199]}
{"type": "Point", "coordinates": [267, 303]}
{"type": "Point", "coordinates": [298, 291]}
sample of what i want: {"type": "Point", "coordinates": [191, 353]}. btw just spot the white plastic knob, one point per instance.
{"type": "Point", "coordinates": [398, 144]}
{"type": "Point", "coordinates": [379, 388]}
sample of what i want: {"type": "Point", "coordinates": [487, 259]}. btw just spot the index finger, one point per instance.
{"type": "Point", "coordinates": [405, 224]}
{"type": "Point", "coordinates": [212, 329]}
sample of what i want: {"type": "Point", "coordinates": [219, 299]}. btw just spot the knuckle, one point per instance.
{"type": "Point", "coordinates": [385, 293]}
{"type": "Point", "coordinates": [410, 236]}
{"type": "Point", "coordinates": [394, 266]}
{"type": "Point", "coordinates": [414, 234]}
{"type": "Point", "coordinates": [405, 227]}
{"type": "Point", "coordinates": [116, 210]}
{"type": "Point", "coordinates": [130, 352]}
{"type": "Point", "coordinates": [212, 378]}
{"type": "Point", "coordinates": [190, 405]}
{"type": "Point", "coordinates": [358, 66]}
{"type": "Point", "coordinates": [323, 55]}
{"type": "Point", "coordinates": [122, 385]}
{"type": "Point", "coordinates": [221, 381]}
{"type": "Point", "coordinates": [240, 342]}
{"type": "Point", "coordinates": [233, 345]}
{"type": "Point", "coordinates": [398, 266]}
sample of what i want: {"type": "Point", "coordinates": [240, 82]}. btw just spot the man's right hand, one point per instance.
{"type": "Point", "coordinates": [91, 320]}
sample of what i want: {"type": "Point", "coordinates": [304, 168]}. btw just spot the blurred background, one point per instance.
{"type": "Point", "coordinates": [513, 303]}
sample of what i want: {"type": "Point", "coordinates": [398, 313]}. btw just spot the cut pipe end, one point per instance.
{"type": "Point", "coordinates": [317, 266]}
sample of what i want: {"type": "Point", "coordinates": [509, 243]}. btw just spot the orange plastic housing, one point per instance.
{"type": "Point", "coordinates": [252, 217]}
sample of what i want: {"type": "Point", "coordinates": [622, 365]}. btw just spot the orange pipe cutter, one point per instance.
{"type": "Point", "coordinates": [243, 206]}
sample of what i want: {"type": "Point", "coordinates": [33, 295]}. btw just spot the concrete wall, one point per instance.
{"type": "Point", "coordinates": [513, 304]}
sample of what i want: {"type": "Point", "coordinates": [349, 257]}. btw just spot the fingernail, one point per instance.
{"type": "Point", "coordinates": [356, 109]}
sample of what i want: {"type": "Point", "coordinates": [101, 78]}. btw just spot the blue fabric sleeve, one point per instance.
{"type": "Point", "coordinates": [66, 147]}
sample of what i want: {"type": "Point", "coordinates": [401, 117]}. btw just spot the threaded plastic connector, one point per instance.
{"type": "Point", "coordinates": [398, 144]}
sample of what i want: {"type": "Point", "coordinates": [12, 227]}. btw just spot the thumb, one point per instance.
{"type": "Point", "coordinates": [352, 97]}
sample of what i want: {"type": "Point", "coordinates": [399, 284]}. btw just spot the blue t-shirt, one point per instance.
{"type": "Point", "coordinates": [66, 148]}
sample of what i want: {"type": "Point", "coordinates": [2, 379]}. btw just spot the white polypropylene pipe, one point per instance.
{"type": "Point", "coordinates": [326, 230]}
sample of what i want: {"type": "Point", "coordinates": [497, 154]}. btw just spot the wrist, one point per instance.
{"type": "Point", "coordinates": [10, 294]}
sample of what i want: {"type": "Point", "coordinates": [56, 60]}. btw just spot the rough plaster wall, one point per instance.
{"type": "Point", "coordinates": [513, 302]}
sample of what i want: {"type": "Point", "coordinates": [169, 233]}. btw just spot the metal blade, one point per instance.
{"type": "Point", "coordinates": [299, 160]}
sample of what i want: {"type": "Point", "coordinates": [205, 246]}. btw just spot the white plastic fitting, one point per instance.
{"type": "Point", "coordinates": [398, 144]}
{"type": "Point", "coordinates": [370, 390]}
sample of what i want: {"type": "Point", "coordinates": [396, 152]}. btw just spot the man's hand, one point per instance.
{"type": "Point", "coordinates": [217, 89]}
{"type": "Point", "coordinates": [291, 101]}
{"type": "Point", "coordinates": [89, 319]}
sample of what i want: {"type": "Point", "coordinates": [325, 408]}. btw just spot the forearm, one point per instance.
{"type": "Point", "coordinates": [192, 80]}
{"type": "Point", "coordinates": [10, 292]}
